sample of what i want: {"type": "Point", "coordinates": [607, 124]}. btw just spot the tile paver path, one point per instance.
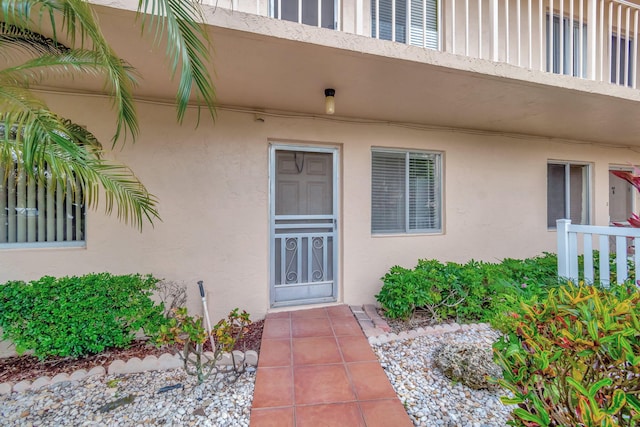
{"type": "Point", "coordinates": [316, 368]}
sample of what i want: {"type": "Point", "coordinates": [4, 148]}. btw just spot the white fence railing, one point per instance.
{"type": "Point", "coordinates": [626, 240]}
{"type": "Point", "coordinates": [591, 39]}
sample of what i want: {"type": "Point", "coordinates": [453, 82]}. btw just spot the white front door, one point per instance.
{"type": "Point", "coordinates": [303, 225]}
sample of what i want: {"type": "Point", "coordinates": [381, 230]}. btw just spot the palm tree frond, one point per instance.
{"type": "Point", "coordinates": [35, 140]}
{"type": "Point", "coordinates": [25, 41]}
{"type": "Point", "coordinates": [79, 23]}
{"type": "Point", "coordinates": [187, 47]}
{"type": "Point", "coordinates": [64, 64]}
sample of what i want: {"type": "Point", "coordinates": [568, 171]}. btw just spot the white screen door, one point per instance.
{"type": "Point", "coordinates": [303, 225]}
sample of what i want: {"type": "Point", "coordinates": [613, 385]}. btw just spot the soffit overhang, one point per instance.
{"type": "Point", "coordinates": [269, 65]}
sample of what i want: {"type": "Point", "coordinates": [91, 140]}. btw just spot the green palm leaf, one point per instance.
{"type": "Point", "coordinates": [68, 63]}
{"type": "Point", "coordinates": [45, 145]}
{"type": "Point", "coordinates": [79, 23]}
{"type": "Point", "coordinates": [187, 47]}
{"type": "Point", "coordinates": [39, 142]}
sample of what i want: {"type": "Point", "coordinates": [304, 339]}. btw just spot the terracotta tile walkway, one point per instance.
{"type": "Point", "coordinates": [316, 368]}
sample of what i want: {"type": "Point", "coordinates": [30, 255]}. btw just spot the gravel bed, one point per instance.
{"type": "Point", "coordinates": [431, 399]}
{"type": "Point", "coordinates": [79, 403]}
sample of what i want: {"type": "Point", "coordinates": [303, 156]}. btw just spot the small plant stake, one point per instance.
{"type": "Point", "coordinates": [205, 308]}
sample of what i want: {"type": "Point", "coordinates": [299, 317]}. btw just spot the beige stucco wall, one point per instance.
{"type": "Point", "coordinates": [212, 183]}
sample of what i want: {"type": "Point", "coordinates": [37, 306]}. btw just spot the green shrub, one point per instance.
{"type": "Point", "coordinates": [573, 359]}
{"type": "Point", "coordinates": [631, 269]}
{"type": "Point", "coordinates": [75, 316]}
{"type": "Point", "coordinates": [475, 291]}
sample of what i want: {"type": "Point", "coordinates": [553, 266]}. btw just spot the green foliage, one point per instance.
{"type": "Point", "coordinates": [631, 269]}
{"type": "Point", "coordinates": [573, 359]}
{"type": "Point", "coordinates": [475, 291]}
{"type": "Point", "coordinates": [45, 143]}
{"type": "Point", "coordinates": [228, 331]}
{"type": "Point", "coordinates": [189, 332]}
{"type": "Point", "coordinates": [75, 316]}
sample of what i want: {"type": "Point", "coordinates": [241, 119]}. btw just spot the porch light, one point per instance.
{"type": "Point", "coordinates": [330, 101]}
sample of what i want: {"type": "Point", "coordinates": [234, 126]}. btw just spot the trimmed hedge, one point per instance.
{"type": "Point", "coordinates": [76, 316]}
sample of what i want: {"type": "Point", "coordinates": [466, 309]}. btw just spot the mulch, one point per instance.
{"type": "Point", "coordinates": [19, 368]}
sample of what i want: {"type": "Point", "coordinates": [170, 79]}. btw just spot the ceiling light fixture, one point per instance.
{"type": "Point", "coordinates": [330, 101]}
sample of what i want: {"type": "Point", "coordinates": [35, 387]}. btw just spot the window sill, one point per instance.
{"type": "Point", "coordinates": [416, 234]}
{"type": "Point", "coordinates": [44, 245]}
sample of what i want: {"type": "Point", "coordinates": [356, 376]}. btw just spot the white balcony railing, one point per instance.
{"type": "Point", "coordinates": [627, 242]}
{"type": "Point", "coordinates": [592, 39]}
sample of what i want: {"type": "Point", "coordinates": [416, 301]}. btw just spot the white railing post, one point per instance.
{"type": "Point", "coordinates": [562, 227]}
{"type": "Point", "coordinates": [605, 273]}
{"type": "Point", "coordinates": [621, 259]}
{"type": "Point", "coordinates": [493, 17]}
{"type": "Point", "coordinates": [359, 17]}
{"type": "Point", "coordinates": [591, 39]}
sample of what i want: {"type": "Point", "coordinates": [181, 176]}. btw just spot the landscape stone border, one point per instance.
{"type": "Point", "coordinates": [131, 366]}
{"type": "Point", "coordinates": [379, 332]}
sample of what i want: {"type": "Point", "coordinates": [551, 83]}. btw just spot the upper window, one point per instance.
{"type": "Point", "coordinates": [405, 191]}
{"type": "Point", "coordinates": [568, 193]}
{"type": "Point", "coordinates": [35, 213]}
{"type": "Point", "coordinates": [308, 12]}
{"type": "Point", "coordinates": [420, 16]}
{"type": "Point", "coordinates": [568, 55]}
{"type": "Point", "coordinates": [622, 58]}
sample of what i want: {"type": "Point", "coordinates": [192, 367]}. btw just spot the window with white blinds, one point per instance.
{"type": "Point", "coordinates": [37, 213]}
{"type": "Point", "coordinates": [421, 17]}
{"type": "Point", "coordinates": [405, 192]}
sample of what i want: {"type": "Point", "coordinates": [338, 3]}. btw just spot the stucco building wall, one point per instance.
{"type": "Point", "coordinates": [213, 187]}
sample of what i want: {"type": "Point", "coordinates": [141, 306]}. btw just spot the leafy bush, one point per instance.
{"type": "Point", "coordinates": [189, 332]}
{"type": "Point", "coordinates": [470, 292]}
{"type": "Point", "coordinates": [631, 268]}
{"type": "Point", "coordinates": [75, 316]}
{"type": "Point", "coordinates": [573, 359]}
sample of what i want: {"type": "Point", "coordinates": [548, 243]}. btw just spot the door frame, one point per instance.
{"type": "Point", "coordinates": [634, 200]}
{"type": "Point", "coordinates": [335, 152]}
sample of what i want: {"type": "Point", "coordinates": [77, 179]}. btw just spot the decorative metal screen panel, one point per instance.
{"type": "Point", "coordinates": [303, 252]}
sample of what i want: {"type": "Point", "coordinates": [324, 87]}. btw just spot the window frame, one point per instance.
{"type": "Point", "coordinates": [438, 191]}
{"type": "Point", "coordinates": [567, 58]}
{"type": "Point", "coordinates": [634, 193]}
{"type": "Point", "coordinates": [620, 43]}
{"type": "Point", "coordinates": [409, 26]}
{"type": "Point", "coordinates": [567, 195]}
{"type": "Point", "coordinates": [50, 244]}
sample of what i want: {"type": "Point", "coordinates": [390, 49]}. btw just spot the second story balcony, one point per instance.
{"type": "Point", "coordinates": [555, 70]}
{"type": "Point", "coordinates": [589, 39]}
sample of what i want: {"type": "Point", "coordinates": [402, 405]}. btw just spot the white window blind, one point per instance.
{"type": "Point", "coordinates": [405, 192]}
{"type": "Point", "coordinates": [420, 16]}
{"type": "Point", "coordinates": [37, 212]}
